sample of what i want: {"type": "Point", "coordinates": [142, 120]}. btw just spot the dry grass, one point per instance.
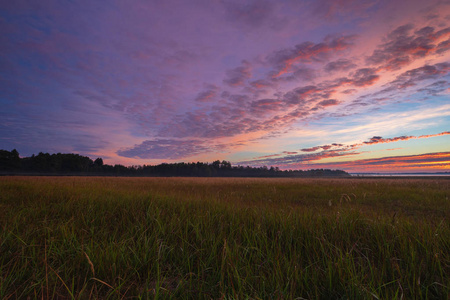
{"type": "Point", "coordinates": [120, 238]}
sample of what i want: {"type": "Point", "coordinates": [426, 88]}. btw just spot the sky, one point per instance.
{"type": "Point", "coordinates": [356, 85]}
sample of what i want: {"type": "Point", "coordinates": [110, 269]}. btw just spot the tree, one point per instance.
{"type": "Point", "coordinates": [9, 160]}
{"type": "Point", "coordinates": [216, 164]}
{"type": "Point", "coordinates": [226, 164]}
{"type": "Point", "coordinates": [98, 162]}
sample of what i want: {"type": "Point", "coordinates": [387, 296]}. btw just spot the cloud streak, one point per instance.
{"type": "Point", "coordinates": [428, 162]}
{"type": "Point", "coordinates": [166, 149]}
{"type": "Point", "coordinates": [317, 153]}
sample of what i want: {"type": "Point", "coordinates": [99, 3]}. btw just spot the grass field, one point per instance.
{"type": "Point", "coordinates": [224, 238]}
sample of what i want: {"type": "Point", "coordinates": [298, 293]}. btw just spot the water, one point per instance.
{"type": "Point", "coordinates": [400, 174]}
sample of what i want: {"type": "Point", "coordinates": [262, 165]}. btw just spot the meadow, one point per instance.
{"type": "Point", "coordinates": [224, 238]}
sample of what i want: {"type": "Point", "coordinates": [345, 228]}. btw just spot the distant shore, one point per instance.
{"type": "Point", "coordinates": [402, 175]}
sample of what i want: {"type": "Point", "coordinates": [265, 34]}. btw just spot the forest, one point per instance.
{"type": "Point", "coordinates": [75, 164]}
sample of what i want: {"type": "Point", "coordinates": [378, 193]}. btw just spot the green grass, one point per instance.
{"type": "Point", "coordinates": [216, 238]}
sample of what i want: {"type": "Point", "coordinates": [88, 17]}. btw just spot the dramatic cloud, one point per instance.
{"type": "Point", "coordinates": [435, 88]}
{"type": "Point", "coordinates": [261, 83]}
{"type": "Point", "coordinates": [296, 159]}
{"type": "Point", "coordinates": [412, 77]}
{"type": "Point", "coordinates": [329, 102]}
{"type": "Point", "coordinates": [284, 59]}
{"type": "Point", "coordinates": [379, 139]}
{"type": "Point", "coordinates": [364, 77]}
{"type": "Point", "coordinates": [324, 147]}
{"type": "Point", "coordinates": [402, 46]}
{"type": "Point", "coordinates": [303, 94]}
{"type": "Point", "coordinates": [263, 106]}
{"type": "Point", "coordinates": [340, 65]}
{"type": "Point", "coordinates": [317, 153]}
{"type": "Point", "coordinates": [166, 149]}
{"type": "Point", "coordinates": [422, 162]}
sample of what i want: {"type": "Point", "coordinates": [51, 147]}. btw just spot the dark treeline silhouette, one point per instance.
{"type": "Point", "coordinates": [75, 164]}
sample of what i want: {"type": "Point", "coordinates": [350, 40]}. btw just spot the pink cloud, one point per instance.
{"type": "Point", "coordinates": [254, 14]}
{"type": "Point", "coordinates": [329, 151]}
{"type": "Point", "coordinates": [261, 83]}
{"type": "Point", "coordinates": [168, 149]}
{"type": "Point", "coordinates": [267, 156]}
{"type": "Point", "coordinates": [151, 67]}
{"type": "Point", "coordinates": [379, 139]}
{"type": "Point", "coordinates": [237, 76]}
{"type": "Point", "coordinates": [208, 95]}
{"type": "Point", "coordinates": [402, 46]}
{"type": "Point", "coordinates": [284, 59]}
{"type": "Point", "coordinates": [339, 65]}
{"type": "Point", "coordinates": [428, 162]}
{"type": "Point", "coordinates": [333, 9]}
{"type": "Point", "coordinates": [329, 102]}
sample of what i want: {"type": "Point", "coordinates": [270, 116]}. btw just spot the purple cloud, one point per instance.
{"type": "Point", "coordinates": [283, 60]}
{"type": "Point", "coordinates": [297, 158]}
{"type": "Point", "coordinates": [330, 151]}
{"type": "Point", "coordinates": [443, 46]}
{"type": "Point", "coordinates": [254, 14]}
{"type": "Point", "coordinates": [435, 88]}
{"type": "Point", "coordinates": [208, 95]}
{"type": "Point", "coordinates": [400, 162]}
{"type": "Point", "coordinates": [402, 46]}
{"type": "Point", "coordinates": [260, 107]}
{"type": "Point", "coordinates": [297, 73]}
{"type": "Point", "coordinates": [328, 102]}
{"type": "Point", "coordinates": [237, 76]}
{"type": "Point", "coordinates": [86, 77]}
{"type": "Point", "coordinates": [414, 76]}
{"type": "Point", "coordinates": [364, 77]}
{"type": "Point", "coordinates": [302, 94]}
{"type": "Point", "coordinates": [421, 162]}
{"type": "Point", "coordinates": [339, 65]}
{"type": "Point", "coordinates": [261, 84]}
{"type": "Point", "coordinates": [333, 9]}
{"type": "Point", "coordinates": [166, 149]}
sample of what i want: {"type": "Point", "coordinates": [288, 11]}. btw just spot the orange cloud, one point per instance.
{"type": "Point", "coordinates": [429, 162]}
{"type": "Point", "coordinates": [312, 157]}
{"type": "Point", "coordinates": [378, 139]}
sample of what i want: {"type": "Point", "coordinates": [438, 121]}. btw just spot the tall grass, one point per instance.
{"type": "Point", "coordinates": [235, 238]}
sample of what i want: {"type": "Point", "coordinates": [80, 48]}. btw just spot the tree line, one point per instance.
{"type": "Point", "coordinates": [75, 164]}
